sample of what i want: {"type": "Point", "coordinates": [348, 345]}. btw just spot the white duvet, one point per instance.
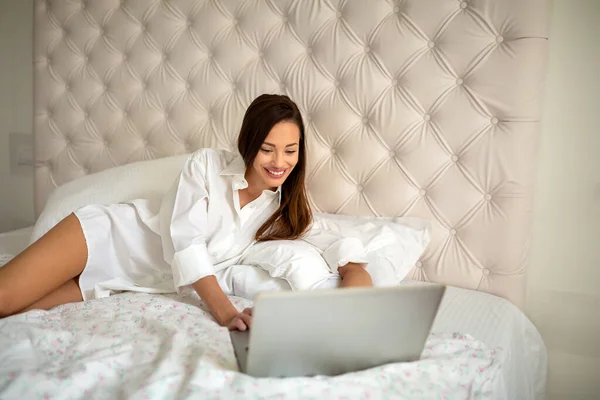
{"type": "Point", "coordinates": [143, 346]}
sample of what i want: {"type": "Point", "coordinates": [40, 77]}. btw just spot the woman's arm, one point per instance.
{"type": "Point", "coordinates": [215, 299]}
{"type": "Point", "coordinates": [354, 275]}
{"type": "Point", "coordinates": [220, 306]}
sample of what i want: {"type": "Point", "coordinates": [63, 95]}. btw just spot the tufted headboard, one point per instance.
{"type": "Point", "coordinates": [424, 108]}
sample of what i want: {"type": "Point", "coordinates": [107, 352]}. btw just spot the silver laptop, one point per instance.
{"type": "Point", "coordinates": [332, 332]}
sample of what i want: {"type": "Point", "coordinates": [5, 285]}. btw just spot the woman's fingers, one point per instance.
{"type": "Point", "coordinates": [246, 318]}
{"type": "Point", "coordinates": [242, 321]}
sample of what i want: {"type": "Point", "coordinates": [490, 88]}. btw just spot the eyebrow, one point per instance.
{"type": "Point", "coordinates": [272, 145]}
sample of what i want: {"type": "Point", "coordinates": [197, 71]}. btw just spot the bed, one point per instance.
{"type": "Point", "coordinates": [426, 109]}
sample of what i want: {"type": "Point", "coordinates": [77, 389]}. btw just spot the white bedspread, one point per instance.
{"type": "Point", "coordinates": [141, 346]}
{"type": "Point", "coordinates": [152, 346]}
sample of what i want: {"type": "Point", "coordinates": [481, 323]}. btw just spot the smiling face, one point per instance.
{"type": "Point", "coordinates": [276, 158]}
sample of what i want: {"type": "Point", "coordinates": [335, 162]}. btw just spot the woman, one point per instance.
{"type": "Point", "coordinates": [221, 203]}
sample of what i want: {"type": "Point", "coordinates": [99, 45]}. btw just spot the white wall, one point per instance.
{"type": "Point", "coordinates": [564, 282]}
{"type": "Point", "coordinates": [16, 105]}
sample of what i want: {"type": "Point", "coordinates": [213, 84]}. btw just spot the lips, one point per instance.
{"type": "Point", "coordinates": [274, 173]}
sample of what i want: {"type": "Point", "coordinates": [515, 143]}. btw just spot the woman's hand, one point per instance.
{"type": "Point", "coordinates": [354, 275]}
{"type": "Point", "coordinates": [241, 321]}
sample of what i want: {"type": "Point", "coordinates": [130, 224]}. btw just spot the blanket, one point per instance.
{"type": "Point", "coordinates": [145, 346]}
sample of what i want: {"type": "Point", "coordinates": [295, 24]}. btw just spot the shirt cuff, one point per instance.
{"type": "Point", "coordinates": [344, 251]}
{"type": "Point", "coordinates": [190, 265]}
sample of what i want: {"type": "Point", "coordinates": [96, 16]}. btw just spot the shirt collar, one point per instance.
{"type": "Point", "coordinates": [237, 169]}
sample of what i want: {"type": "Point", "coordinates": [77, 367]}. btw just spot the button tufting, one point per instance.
{"type": "Point", "coordinates": [459, 81]}
{"type": "Point", "coordinates": [422, 192]}
{"type": "Point", "coordinates": [431, 44]}
{"type": "Point", "coordinates": [392, 153]}
{"type": "Point", "coordinates": [454, 158]}
{"type": "Point", "coordinates": [234, 22]}
{"type": "Point", "coordinates": [285, 19]}
{"type": "Point", "coordinates": [106, 143]}
{"type": "Point", "coordinates": [367, 49]}
{"type": "Point", "coordinates": [189, 23]}
{"type": "Point", "coordinates": [463, 4]}
{"type": "Point", "coordinates": [261, 54]}
{"type": "Point", "coordinates": [494, 120]}
{"type": "Point", "coordinates": [86, 114]}
{"type": "Point", "coordinates": [338, 14]}
{"type": "Point", "coordinates": [332, 151]}
{"type": "Point", "coordinates": [419, 264]}
{"type": "Point", "coordinates": [487, 197]}
{"type": "Point", "coordinates": [486, 271]}
{"type": "Point", "coordinates": [336, 83]}
{"type": "Point", "coordinates": [68, 141]}
{"type": "Point", "coordinates": [359, 188]}
{"type": "Point", "coordinates": [209, 55]}
{"type": "Point", "coordinates": [308, 118]}
{"type": "Point", "coordinates": [426, 117]}
{"type": "Point", "coordinates": [282, 87]}
{"type": "Point", "coordinates": [453, 231]}
{"type": "Point", "coordinates": [233, 86]}
{"type": "Point", "coordinates": [394, 82]}
{"type": "Point", "coordinates": [309, 50]}
{"type": "Point", "coordinates": [365, 120]}
{"type": "Point", "coordinates": [499, 39]}
{"type": "Point", "coordinates": [396, 9]}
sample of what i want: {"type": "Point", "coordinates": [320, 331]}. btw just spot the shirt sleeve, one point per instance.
{"type": "Point", "coordinates": [184, 215]}
{"type": "Point", "coordinates": [337, 250]}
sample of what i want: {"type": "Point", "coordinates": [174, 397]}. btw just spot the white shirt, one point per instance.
{"type": "Point", "coordinates": [202, 227]}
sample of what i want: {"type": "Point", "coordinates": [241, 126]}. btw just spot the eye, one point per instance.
{"type": "Point", "coordinates": [266, 151]}
{"type": "Point", "coordinates": [290, 151]}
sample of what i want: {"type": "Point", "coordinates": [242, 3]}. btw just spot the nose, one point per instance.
{"type": "Point", "coordinates": [278, 160]}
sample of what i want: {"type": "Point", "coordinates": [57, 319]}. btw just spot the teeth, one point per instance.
{"type": "Point", "coordinates": [275, 173]}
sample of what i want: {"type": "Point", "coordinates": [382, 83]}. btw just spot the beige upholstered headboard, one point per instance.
{"type": "Point", "coordinates": [418, 107]}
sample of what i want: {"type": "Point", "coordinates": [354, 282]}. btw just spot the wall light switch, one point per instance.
{"type": "Point", "coordinates": [21, 154]}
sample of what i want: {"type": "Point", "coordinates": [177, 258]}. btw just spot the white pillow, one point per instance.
{"type": "Point", "coordinates": [391, 246]}
{"type": "Point", "coordinates": [143, 179]}
{"type": "Point", "coordinates": [297, 262]}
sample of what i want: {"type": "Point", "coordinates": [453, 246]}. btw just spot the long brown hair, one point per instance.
{"type": "Point", "coordinates": [294, 215]}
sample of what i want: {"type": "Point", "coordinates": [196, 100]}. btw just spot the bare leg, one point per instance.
{"type": "Point", "coordinates": [43, 268]}
{"type": "Point", "coordinates": [67, 293]}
